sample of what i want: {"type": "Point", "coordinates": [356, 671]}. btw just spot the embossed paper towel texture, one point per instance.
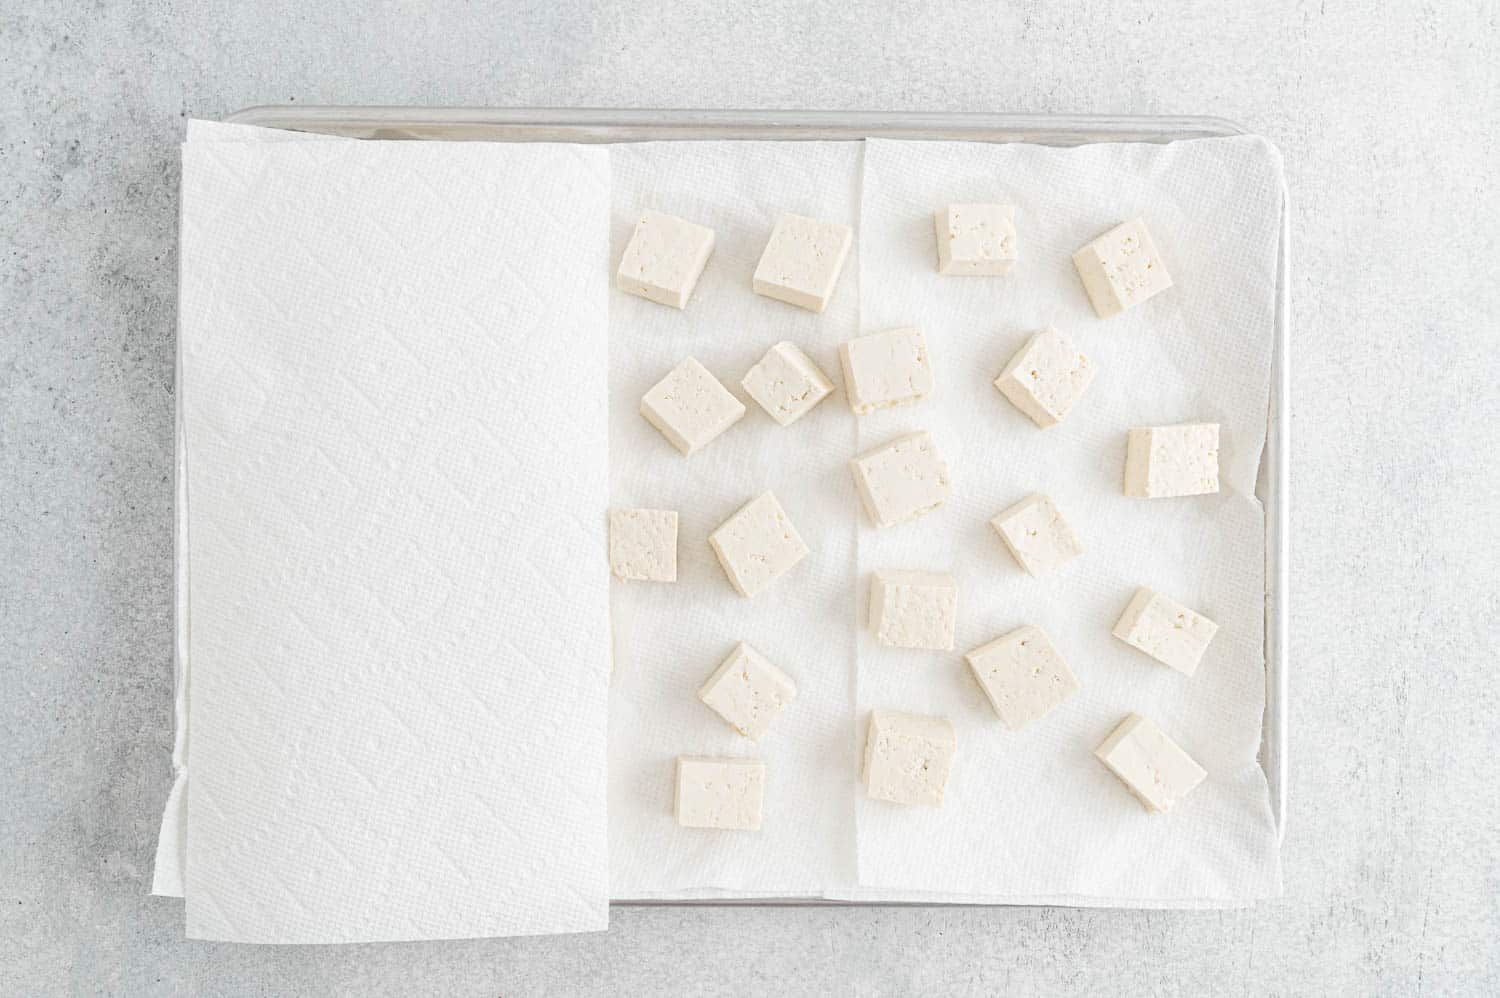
{"type": "Point", "coordinates": [384, 744]}
{"type": "Point", "coordinates": [668, 638]}
{"type": "Point", "coordinates": [1031, 814]}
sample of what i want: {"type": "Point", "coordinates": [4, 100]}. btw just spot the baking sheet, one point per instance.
{"type": "Point", "coordinates": [587, 126]}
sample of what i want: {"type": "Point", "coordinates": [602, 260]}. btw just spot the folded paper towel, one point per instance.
{"type": "Point", "coordinates": [384, 744]}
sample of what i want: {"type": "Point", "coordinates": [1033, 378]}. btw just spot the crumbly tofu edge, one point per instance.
{"type": "Point", "coordinates": [731, 571]}
{"type": "Point", "coordinates": [883, 580]}
{"type": "Point", "coordinates": [734, 409]}
{"type": "Point", "coordinates": [638, 285]}
{"type": "Point", "coordinates": [868, 499]}
{"type": "Point", "coordinates": [861, 406]}
{"type": "Point", "coordinates": [815, 301]}
{"type": "Point", "coordinates": [623, 519]}
{"type": "Point", "coordinates": [784, 683]}
{"type": "Point", "coordinates": [1124, 730]}
{"type": "Point", "coordinates": [819, 385]}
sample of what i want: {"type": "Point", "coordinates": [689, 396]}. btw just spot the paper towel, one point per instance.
{"type": "Point", "coordinates": [1032, 815]}
{"type": "Point", "coordinates": [383, 344]}
{"type": "Point", "coordinates": [669, 638]}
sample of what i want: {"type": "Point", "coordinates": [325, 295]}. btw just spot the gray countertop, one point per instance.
{"type": "Point", "coordinates": [1388, 126]}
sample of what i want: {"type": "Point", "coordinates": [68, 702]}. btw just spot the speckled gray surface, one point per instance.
{"type": "Point", "coordinates": [1388, 126]}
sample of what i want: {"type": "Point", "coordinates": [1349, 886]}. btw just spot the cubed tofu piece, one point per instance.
{"type": "Point", "coordinates": [1165, 461]}
{"type": "Point", "coordinates": [720, 793]}
{"type": "Point", "coordinates": [908, 757]}
{"type": "Point", "coordinates": [913, 609]}
{"type": "Point", "coordinates": [690, 407]}
{"type": "Point", "coordinates": [1022, 675]}
{"type": "Point", "coordinates": [786, 383]}
{"type": "Point", "coordinates": [1149, 763]}
{"type": "Point", "coordinates": [748, 691]}
{"type": "Point", "coordinates": [1037, 535]}
{"type": "Point", "coordinates": [1166, 630]}
{"type": "Point", "coordinates": [976, 239]}
{"type": "Point", "coordinates": [1121, 269]}
{"type": "Point", "coordinates": [664, 258]}
{"type": "Point", "coordinates": [757, 545]}
{"type": "Point", "coordinates": [901, 480]}
{"type": "Point", "coordinates": [802, 261]}
{"type": "Point", "coordinates": [886, 369]}
{"type": "Point", "coordinates": [1046, 377]}
{"type": "Point", "coordinates": [643, 544]}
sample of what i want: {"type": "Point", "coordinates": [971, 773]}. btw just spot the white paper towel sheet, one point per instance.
{"type": "Point", "coordinates": [385, 745]}
{"type": "Point", "coordinates": [668, 638]}
{"type": "Point", "coordinates": [1032, 814]}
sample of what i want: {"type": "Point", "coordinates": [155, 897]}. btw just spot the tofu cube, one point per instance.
{"type": "Point", "coordinates": [690, 407]}
{"type": "Point", "coordinates": [1046, 377]}
{"type": "Point", "coordinates": [757, 545]}
{"type": "Point", "coordinates": [747, 691]}
{"type": "Point", "coordinates": [664, 258]}
{"type": "Point", "coordinates": [913, 609]}
{"type": "Point", "coordinates": [1022, 675]}
{"type": "Point", "coordinates": [643, 544]}
{"type": "Point", "coordinates": [908, 757]}
{"type": "Point", "coordinates": [901, 480]}
{"type": "Point", "coordinates": [786, 383]}
{"type": "Point", "coordinates": [1121, 269]}
{"type": "Point", "coordinates": [720, 793]}
{"type": "Point", "coordinates": [1037, 535]}
{"type": "Point", "coordinates": [1166, 630]}
{"type": "Point", "coordinates": [802, 261]}
{"type": "Point", "coordinates": [1165, 461]}
{"type": "Point", "coordinates": [886, 369]}
{"type": "Point", "coordinates": [976, 239]}
{"type": "Point", "coordinates": [1149, 763]}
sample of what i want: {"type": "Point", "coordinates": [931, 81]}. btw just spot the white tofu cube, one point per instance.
{"type": "Point", "coordinates": [747, 691]}
{"type": "Point", "coordinates": [886, 369]}
{"type": "Point", "coordinates": [664, 258]}
{"type": "Point", "coordinates": [720, 793]}
{"type": "Point", "coordinates": [1121, 269]}
{"type": "Point", "coordinates": [1164, 461]}
{"type": "Point", "coordinates": [1166, 630]}
{"type": "Point", "coordinates": [690, 407]}
{"type": "Point", "coordinates": [757, 545]}
{"type": "Point", "coordinates": [908, 757]}
{"type": "Point", "coordinates": [913, 609]}
{"type": "Point", "coordinates": [1037, 535]}
{"type": "Point", "coordinates": [1046, 377]}
{"type": "Point", "coordinates": [976, 239]}
{"type": "Point", "coordinates": [786, 383]}
{"type": "Point", "coordinates": [802, 261]}
{"type": "Point", "coordinates": [1149, 763]}
{"type": "Point", "coordinates": [643, 544]}
{"type": "Point", "coordinates": [901, 480]}
{"type": "Point", "coordinates": [1022, 675]}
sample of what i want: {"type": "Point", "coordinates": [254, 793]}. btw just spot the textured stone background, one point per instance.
{"type": "Point", "coordinates": [1388, 125]}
